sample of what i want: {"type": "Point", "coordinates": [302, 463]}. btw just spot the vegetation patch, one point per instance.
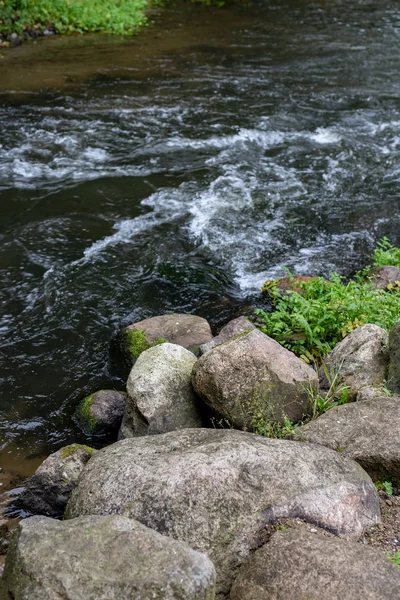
{"type": "Point", "coordinates": [71, 450]}
{"type": "Point", "coordinates": [312, 322]}
{"type": "Point", "coordinates": [85, 413]}
{"type": "Point", "coordinates": [122, 17]}
{"type": "Point", "coordinates": [136, 342]}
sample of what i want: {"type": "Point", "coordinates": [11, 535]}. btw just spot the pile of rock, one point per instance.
{"type": "Point", "coordinates": [178, 509]}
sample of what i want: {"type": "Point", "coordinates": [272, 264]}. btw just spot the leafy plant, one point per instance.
{"type": "Point", "coordinates": [312, 322]}
{"type": "Point", "coordinates": [72, 16]}
{"type": "Point", "coordinates": [262, 426]}
{"type": "Point", "coordinates": [394, 558]}
{"type": "Point", "coordinates": [385, 254]}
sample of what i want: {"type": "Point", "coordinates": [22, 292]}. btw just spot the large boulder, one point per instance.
{"type": "Point", "coordinates": [253, 378]}
{"type": "Point", "coordinates": [218, 489]}
{"type": "Point", "coordinates": [360, 360]}
{"type": "Point", "coordinates": [100, 414]}
{"type": "Point", "coordinates": [300, 565]}
{"type": "Point", "coordinates": [366, 431]}
{"type": "Point", "coordinates": [47, 491]}
{"type": "Point", "coordinates": [232, 329]}
{"type": "Point", "coordinates": [188, 331]}
{"type": "Point", "coordinates": [160, 395]}
{"type": "Point", "coordinates": [102, 558]}
{"type": "Point", "coordinates": [394, 359]}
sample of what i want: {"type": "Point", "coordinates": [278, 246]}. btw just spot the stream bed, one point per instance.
{"type": "Point", "coordinates": [175, 172]}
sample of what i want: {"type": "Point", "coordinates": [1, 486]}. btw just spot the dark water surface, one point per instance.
{"type": "Point", "coordinates": [175, 172]}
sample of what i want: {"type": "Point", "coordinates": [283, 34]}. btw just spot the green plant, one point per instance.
{"type": "Point", "coordinates": [313, 322]}
{"type": "Point", "coordinates": [394, 558]}
{"type": "Point", "coordinates": [385, 254]}
{"type": "Point", "coordinates": [336, 394]}
{"type": "Point", "coordinates": [73, 16]}
{"type": "Point", "coordinates": [385, 486]}
{"type": "Point", "coordinates": [385, 388]}
{"type": "Point", "coordinates": [271, 429]}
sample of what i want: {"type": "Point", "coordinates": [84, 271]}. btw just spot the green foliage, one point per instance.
{"type": "Point", "coordinates": [72, 16]}
{"type": "Point", "coordinates": [312, 322]}
{"type": "Point", "coordinates": [385, 254]}
{"type": "Point", "coordinates": [337, 394]}
{"type": "Point", "coordinates": [136, 342]}
{"type": "Point", "coordinates": [394, 558]}
{"type": "Point", "coordinates": [262, 426]}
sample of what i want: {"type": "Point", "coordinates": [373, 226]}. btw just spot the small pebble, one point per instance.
{"type": "Point", "coordinates": [313, 530]}
{"type": "Point", "coordinates": [389, 502]}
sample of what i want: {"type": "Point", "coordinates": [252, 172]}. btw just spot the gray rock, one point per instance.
{"type": "Point", "coordinates": [188, 331]}
{"type": "Point", "coordinates": [101, 413]}
{"type": "Point", "coordinates": [300, 565]}
{"type": "Point", "coordinates": [361, 359]}
{"type": "Point", "coordinates": [394, 359]}
{"type": "Point", "coordinates": [384, 276]}
{"type": "Point", "coordinates": [367, 432]}
{"type": "Point", "coordinates": [160, 395]}
{"type": "Point", "coordinates": [47, 491]}
{"type": "Point", "coordinates": [230, 330]}
{"type": "Point", "coordinates": [252, 377]}
{"type": "Point", "coordinates": [217, 489]}
{"type": "Point", "coordinates": [102, 558]}
{"type": "Point", "coordinates": [370, 393]}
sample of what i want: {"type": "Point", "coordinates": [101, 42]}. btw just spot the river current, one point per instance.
{"type": "Point", "coordinates": [176, 171]}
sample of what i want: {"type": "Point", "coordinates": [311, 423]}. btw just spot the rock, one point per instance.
{"type": "Point", "coordinates": [100, 414]}
{"type": "Point", "coordinates": [300, 565]}
{"type": "Point", "coordinates": [102, 558]}
{"type": "Point", "coordinates": [361, 359]}
{"type": "Point", "coordinates": [285, 285]}
{"type": "Point", "coordinates": [252, 378]}
{"type": "Point", "coordinates": [47, 491]}
{"type": "Point", "coordinates": [367, 432]}
{"type": "Point", "coordinates": [217, 489]}
{"type": "Point", "coordinates": [231, 329]}
{"type": "Point", "coordinates": [385, 276]}
{"type": "Point", "coordinates": [394, 359]}
{"type": "Point", "coordinates": [370, 393]}
{"type": "Point", "coordinates": [188, 331]}
{"type": "Point", "coordinates": [15, 40]}
{"type": "Point", "coordinates": [160, 395]}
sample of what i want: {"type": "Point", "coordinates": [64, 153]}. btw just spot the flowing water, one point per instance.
{"type": "Point", "coordinates": [176, 171]}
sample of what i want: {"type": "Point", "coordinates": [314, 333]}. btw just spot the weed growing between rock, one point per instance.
{"type": "Point", "coordinates": [311, 322]}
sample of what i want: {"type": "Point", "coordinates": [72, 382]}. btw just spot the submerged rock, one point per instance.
{"type": "Point", "coordinates": [188, 331]}
{"type": "Point", "coordinates": [47, 491]}
{"type": "Point", "coordinates": [217, 490]}
{"type": "Point", "coordinates": [366, 431]}
{"type": "Point", "coordinates": [300, 565]}
{"type": "Point", "coordinates": [360, 360]}
{"type": "Point", "coordinates": [232, 329]}
{"type": "Point", "coordinates": [102, 558]}
{"type": "Point", "coordinates": [100, 414]}
{"type": "Point", "coordinates": [253, 378]}
{"type": "Point", "coordinates": [160, 395]}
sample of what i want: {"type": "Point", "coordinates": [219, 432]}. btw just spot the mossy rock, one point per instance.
{"type": "Point", "coordinates": [100, 414]}
{"type": "Point", "coordinates": [136, 342]}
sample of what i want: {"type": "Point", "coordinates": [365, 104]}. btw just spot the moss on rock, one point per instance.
{"type": "Point", "coordinates": [136, 342]}
{"type": "Point", "coordinates": [73, 448]}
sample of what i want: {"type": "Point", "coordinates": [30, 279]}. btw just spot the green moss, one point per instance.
{"type": "Point", "coordinates": [85, 413]}
{"type": "Point", "coordinates": [136, 342]}
{"type": "Point", "coordinates": [70, 450]}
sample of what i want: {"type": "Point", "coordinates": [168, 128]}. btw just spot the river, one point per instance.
{"type": "Point", "coordinates": [176, 171]}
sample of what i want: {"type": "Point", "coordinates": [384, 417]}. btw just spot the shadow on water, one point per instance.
{"type": "Point", "coordinates": [174, 172]}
